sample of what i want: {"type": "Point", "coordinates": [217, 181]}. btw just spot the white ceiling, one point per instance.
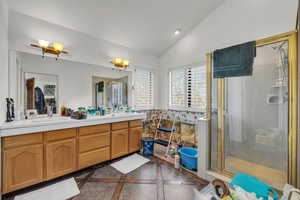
{"type": "Point", "coordinates": [141, 25]}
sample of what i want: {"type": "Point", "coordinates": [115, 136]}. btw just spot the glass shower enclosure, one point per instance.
{"type": "Point", "coordinates": [253, 119]}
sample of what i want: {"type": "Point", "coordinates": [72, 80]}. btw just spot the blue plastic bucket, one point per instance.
{"type": "Point", "coordinates": [148, 146]}
{"type": "Point", "coordinates": [189, 157]}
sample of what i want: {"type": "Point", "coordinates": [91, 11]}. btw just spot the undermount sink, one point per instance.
{"type": "Point", "coordinates": [110, 115]}
{"type": "Point", "coordinates": [51, 119]}
{"type": "Point", "coordinates": [60, 118]}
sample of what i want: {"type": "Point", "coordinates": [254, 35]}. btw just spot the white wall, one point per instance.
{"type": "Point", "coordinates": [233, 22]}
{"type": "Point", "coordinates": [3, 58]}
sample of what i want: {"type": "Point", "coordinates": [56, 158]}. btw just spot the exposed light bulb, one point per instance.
{"type": "Point", "coordinates": [118, 60]}
{"type": "Point", "coordinates": [126, 62]}
{"type": "Point", "coordinates": [177, 32]}
{"type": "Point", "coordinates": [44, 43]}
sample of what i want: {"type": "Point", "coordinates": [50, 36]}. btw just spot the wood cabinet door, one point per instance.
{"type": "Point", "coordinates": [135, 135]}
{"type": "Point", "coordinates": [119, 143]}
{"type": "Point", "coordinates": [60, 158]}
{"type": "Point", "coordinates": [23, 166]}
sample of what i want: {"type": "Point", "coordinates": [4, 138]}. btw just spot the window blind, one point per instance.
{"type": "Point", "coordinates": [143, 89]}
{"type": "Point", "coordinates": [188, 88]}
{"type": "Point", "coordinates": [177, 88]}
{"type": "Point", "coordinates": [197, 83]}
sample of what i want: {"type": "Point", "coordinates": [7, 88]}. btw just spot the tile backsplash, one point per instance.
{"type": "Point", "coordinates": [185, 124]}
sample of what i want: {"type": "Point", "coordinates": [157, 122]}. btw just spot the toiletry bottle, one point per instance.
{"type": "Point", "coordinates": [177, 161]}
{"type": "Point", "coordinates": [102, 111]}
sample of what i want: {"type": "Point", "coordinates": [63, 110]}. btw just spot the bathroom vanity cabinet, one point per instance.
{"type": "Point", "coordinates": [32, 158]}
{"type": "Point", "coordinates": [60, 152]}
{"type": "Point", "coordinates": [23, 161]}
{"type": "Point", "coordinates": [135, 130]}
{"type": "Point", "coordinates": [94, 145]}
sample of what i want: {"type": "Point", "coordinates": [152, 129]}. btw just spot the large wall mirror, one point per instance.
{"type": "Point", "coordinates": [110, 92]}
{"type": "Point", "coordinates": [41, 91]}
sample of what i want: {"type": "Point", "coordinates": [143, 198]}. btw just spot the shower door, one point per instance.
{"type": "Point", "coordinates": [254, 118]}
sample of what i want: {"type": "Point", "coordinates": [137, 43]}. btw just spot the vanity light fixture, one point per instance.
{"type": "Point", "coordinates": [55, 48]}
{"type": "Point", "coordinates": [120, 64]}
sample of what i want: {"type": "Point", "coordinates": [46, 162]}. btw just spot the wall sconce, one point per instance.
{"type": "Point", "coordinates": [55, 49]}
{"type": "Point", "coordinates": [120, 63]}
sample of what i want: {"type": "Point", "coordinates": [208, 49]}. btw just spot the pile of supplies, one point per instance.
{"type": "Point", "coordinates": [244, 187]}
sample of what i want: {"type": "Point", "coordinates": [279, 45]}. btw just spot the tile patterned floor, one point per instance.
{"type": "Point", "coordinates": [156, 180]}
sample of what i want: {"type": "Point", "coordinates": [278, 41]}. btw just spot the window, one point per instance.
{"type": "Point", "coordinates": [143, 89]}
{"type": "Point", "coordinates": [188, 88]}
{"type": "Point", "coordinates": [117, 94]}
{"type": "Point", "coordinates": [177, 88]}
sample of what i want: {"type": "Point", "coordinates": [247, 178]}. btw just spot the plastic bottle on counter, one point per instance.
{"type": "Point", "coordinates": [177, 161]}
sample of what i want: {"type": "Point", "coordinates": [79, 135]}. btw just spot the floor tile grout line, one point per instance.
{"type": "Point", "coordinates": [104, 180]}
{"type": "Point", "coordinates": [157, 180]}
{"type": "Point", "coordinates": [160, 181]}
{"type": "Point", "coordinates": [119, 187]}
{"type": "Point", "coordinates": [140, 181]}
{"type": "Point", "coordinates": [163, 185]}
{"type": "Point", "coordinates": [83, 182]}
{"type": "Point", "coordinates": [199, 180]}
{"type": "Point", "coordinates": [86, 179]}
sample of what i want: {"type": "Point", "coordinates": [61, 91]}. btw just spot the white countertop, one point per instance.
{"type": "Point", "coordinates": [56, 123]}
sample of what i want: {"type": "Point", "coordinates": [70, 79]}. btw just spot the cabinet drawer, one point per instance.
{"type": "Point", "coordinates": [94, 157]}
{"type": "Point", "coordinates": [136, 123]}
{"type": "Point", "coordinates": [60, 134]}
{"type": "Point", "coordinates": [94, 129]}
{"type": "Point", "coordinates": [119, 125]}
{"type": "Point", "coordinates": [95, 141]}
{"type": "Point", "coordinates": [22, 140]}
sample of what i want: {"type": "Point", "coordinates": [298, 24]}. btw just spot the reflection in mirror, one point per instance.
{"type": "Point", "coordinates": [41, 91]}
{"type": "Point", "coordinates": [110, 92]}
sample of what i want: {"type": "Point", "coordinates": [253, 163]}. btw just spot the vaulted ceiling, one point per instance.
{"type": "Point", "coordinates": [145, 26]}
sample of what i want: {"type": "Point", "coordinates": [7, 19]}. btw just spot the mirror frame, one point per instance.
{"type": "Point", "coordinates": [23, 91]}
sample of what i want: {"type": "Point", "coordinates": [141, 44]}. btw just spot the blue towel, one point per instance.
{"type": "Point", "coordinates": [251, 184]}
{"type": "Point", "coordinates": [234, 61]}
